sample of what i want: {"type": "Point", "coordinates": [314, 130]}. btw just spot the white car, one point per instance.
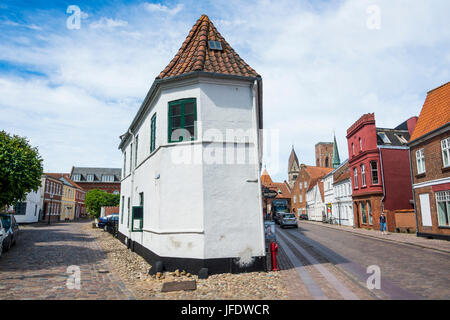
{"type": "Point", "coordinates": [3, 235]}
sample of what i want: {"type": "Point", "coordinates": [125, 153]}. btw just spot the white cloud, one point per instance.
{"type": "Point", "coordinates": [322, 69]}
{"type": "Point", "coordinates": [157, 7]}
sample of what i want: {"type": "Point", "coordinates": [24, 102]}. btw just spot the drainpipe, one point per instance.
{"type": "Point", "coordinates": [132, 185]}
{"type": "Point", "coordinates": [382, 177]}
{"type": "Point", "coordinates": [413, 193]}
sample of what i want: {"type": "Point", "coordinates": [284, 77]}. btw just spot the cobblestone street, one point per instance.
{"type": "Point", "coordinates": [36, 267]}
{"type": "Point", "coordinates": [407, 271]}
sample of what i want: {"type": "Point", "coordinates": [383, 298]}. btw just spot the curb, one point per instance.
{"type": "Point", "coordinates": [378, 238]}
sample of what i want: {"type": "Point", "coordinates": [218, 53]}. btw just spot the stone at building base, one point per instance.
{"type": "Point", "coordinates": [192, 265]}
{"type": "Point", "coordinates": [434, 236]}
{"type": "Point", "coordinates": [203, 273]}
{"type": "Point", "coordinates": [158, 267]}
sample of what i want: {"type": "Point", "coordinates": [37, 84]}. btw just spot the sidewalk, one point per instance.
{"type": "Point", "coordinates": [405, 238]}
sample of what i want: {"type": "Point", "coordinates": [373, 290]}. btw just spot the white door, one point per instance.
{"type": "Point", "coordinates": [425, 209]}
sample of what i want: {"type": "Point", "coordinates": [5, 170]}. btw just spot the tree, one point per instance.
{"type": "Point", "coordinates": [96, 199]}
{"type": "Point", "coordinates": [20, 169]}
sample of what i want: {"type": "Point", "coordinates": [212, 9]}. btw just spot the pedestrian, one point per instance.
{"type": "Point", "coordinates": [383, 223]}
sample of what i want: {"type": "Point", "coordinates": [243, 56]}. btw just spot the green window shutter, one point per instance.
{"type": "Point", "coordinates": [183, 115]}
{"type": "Point", "coordinates": [153, 134]}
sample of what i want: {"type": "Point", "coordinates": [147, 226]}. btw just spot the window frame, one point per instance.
{"type": "Point", "coordinates": [355, 178]}
{"type": "Point", "coordinates": [420, 161]}
{"type": "Point", "coordinates": [372, 170]}
{"type": "Point", "coordinates": [445, 150]}
{"type": "Point", "coordinates": [181, 103]}
{"type": "Point", "coordinates": [363, 176]}
{"type": "Point", "coordinates": [443, 197]}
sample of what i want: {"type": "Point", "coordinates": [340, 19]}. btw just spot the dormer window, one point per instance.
{"type": "Point", "coordinates": [215, 45]}
{"type": "Point", "coordinates": [401, 138]}
{"type": "Point", "coordinates": [90, 178]}
{"type": "Point", "coordinates": [108, 178]}
{"type": "Point", "coordinates": [76, 177]}
{"type": "Point", "coordinates": [384, 137]}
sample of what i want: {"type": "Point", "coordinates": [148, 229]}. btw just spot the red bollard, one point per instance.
{"type": "Point", "coordinates": [274, 251]}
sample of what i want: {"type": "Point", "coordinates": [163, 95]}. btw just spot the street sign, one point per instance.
{"type": "Point", "coordinates": [267, 193]}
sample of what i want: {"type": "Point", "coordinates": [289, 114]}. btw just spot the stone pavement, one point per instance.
{"type": "Point", "coordinates": [405, 238]}
{"type": "Point", "coordinates": [37, 266]}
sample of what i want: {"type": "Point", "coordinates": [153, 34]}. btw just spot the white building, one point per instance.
{"type": "Point", "coordinates": [28, 211]}
{"type": "Point", "coordinates": [191, 191]}
{"type": "Point", "coordinates": [342, 207]}
{"type": "Point", "coordinates": [328, 194]}
{"type": "Point", "coordinates": [315, 205]}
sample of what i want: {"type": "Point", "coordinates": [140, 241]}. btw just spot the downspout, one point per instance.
{"type": "Point", "coordinates": [382, 177]}
{"type": "Point", "coordinates": [132, 185]}
{"type": "Point", "coordinates": [413, 193]}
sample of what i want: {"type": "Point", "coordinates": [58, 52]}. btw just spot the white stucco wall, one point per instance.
{"type": "Point", "coordinates": [204, 208]}
{"type": "Point", "coordinates": [342, 205]}
{"type": "Point", "coordinates": [33, 201]}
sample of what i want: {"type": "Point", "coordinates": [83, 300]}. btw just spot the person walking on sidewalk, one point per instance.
{"type": "Point", "coordinates": [383, 223]}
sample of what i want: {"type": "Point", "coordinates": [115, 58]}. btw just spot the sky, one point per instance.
{"type": "Point", "coordinates": [73, 91]}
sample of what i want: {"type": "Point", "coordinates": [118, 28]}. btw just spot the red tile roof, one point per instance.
{"type": "Point", "coordinates": [195, 54]}
{"type": "Point", "coordinates": [435, 111]}
{"type": "Point", "coordinates": [283, 187]}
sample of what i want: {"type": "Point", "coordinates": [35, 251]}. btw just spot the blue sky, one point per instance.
{"type": "Point", "coordinates": [74, 92]}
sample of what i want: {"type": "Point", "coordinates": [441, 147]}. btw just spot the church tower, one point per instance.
{"type": "Point", "coordinates": [336, 159]}
{"type": "Point", "coordinates": [293, 168]}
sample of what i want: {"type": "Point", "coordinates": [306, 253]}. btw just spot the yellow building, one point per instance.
{"type": "Point", "coordinates": [68, 202]}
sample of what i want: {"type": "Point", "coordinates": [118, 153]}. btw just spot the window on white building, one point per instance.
{"type": "Point", "coordinates": [443, 205]}
{"type": "Point", "coordinates": [420, 160]}
{"type": "Point", "coordinates": [445, 146]}
{"type": "Point", "coordinates": [124, 165]}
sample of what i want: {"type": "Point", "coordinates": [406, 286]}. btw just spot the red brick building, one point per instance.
{"type": "Point", "coordinates": [379, 167]}
{"type": "Point", "coordinates": [430, 165]}
{"type": "Point", "coordinates": [324, 154]}
{"type": "Point", "coordinates": [106, 179]}
{"type": "Point", "coordinates": [307, 176]}
{"type": "Point", "coordinates": [52, 190]}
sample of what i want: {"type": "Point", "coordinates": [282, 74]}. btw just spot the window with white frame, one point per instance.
{"type": "Point", "coordinates": [300, 197]}
{"type": "Point", "coordinates": [76, 177]}
{"type": "Point", "coordinates": [420, 161]}
{"type": "Point", "coordinates": [90, 177]}
{"type": "Point", "coordinates": [363, 175]}
{"type": "Point", "coordinates": [443, 208]}
{"type": "Point", "coordinates": [108, 178]}
{"type": "Point", "coordinates": [356, 177]}
{"type": "Point", "coordinates": [445, 146]}
{"type": "Point", "coordinates": [360, 144]}
{"type": "Point", "coordinates": [374, 171]}
{"type": "Point", "coordinates": [295, 199]}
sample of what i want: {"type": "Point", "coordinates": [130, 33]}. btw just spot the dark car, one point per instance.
{"type": "Point", "coordinates": [277, 216]}
{"type": "Point", "coordinates": [11, 228]}
{"type": "Point", "coordinates": [303, 216]}
{"type": "Point", "coordinates": [288, 220]}
{"type": "Point", "coordinates": [108, 220]}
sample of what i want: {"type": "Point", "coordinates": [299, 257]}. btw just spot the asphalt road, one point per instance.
{"type": "Point", "coordinates": [407, 272]}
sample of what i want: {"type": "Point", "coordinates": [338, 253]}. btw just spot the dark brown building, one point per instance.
{"type": "Point", "coordinates": [430, 165]}
{"type": "Point", "coordinates": [52, 190]}
{"type": "Point", "coordinates": [106, 179]}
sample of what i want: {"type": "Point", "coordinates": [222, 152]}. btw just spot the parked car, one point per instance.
{"type": "Point", "coordinates": [12, 230]}
{"type": "Point", "coordinates": [103, 222]}
{"type": "Point", "coordinates": [303, 216]}
{"type": "Point", "coordinates": [277, 216]}
{"type": "Point", "coordinates": [3, 235]}
{"type": "Point", "coordinates": [288, 220]}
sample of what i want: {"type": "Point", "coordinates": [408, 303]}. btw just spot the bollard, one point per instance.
{"type": "Point", "coordinates": [274, 251]}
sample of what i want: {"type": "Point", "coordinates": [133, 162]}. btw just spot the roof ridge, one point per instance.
{"type": "Point", "coordinates": [443, 85]}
